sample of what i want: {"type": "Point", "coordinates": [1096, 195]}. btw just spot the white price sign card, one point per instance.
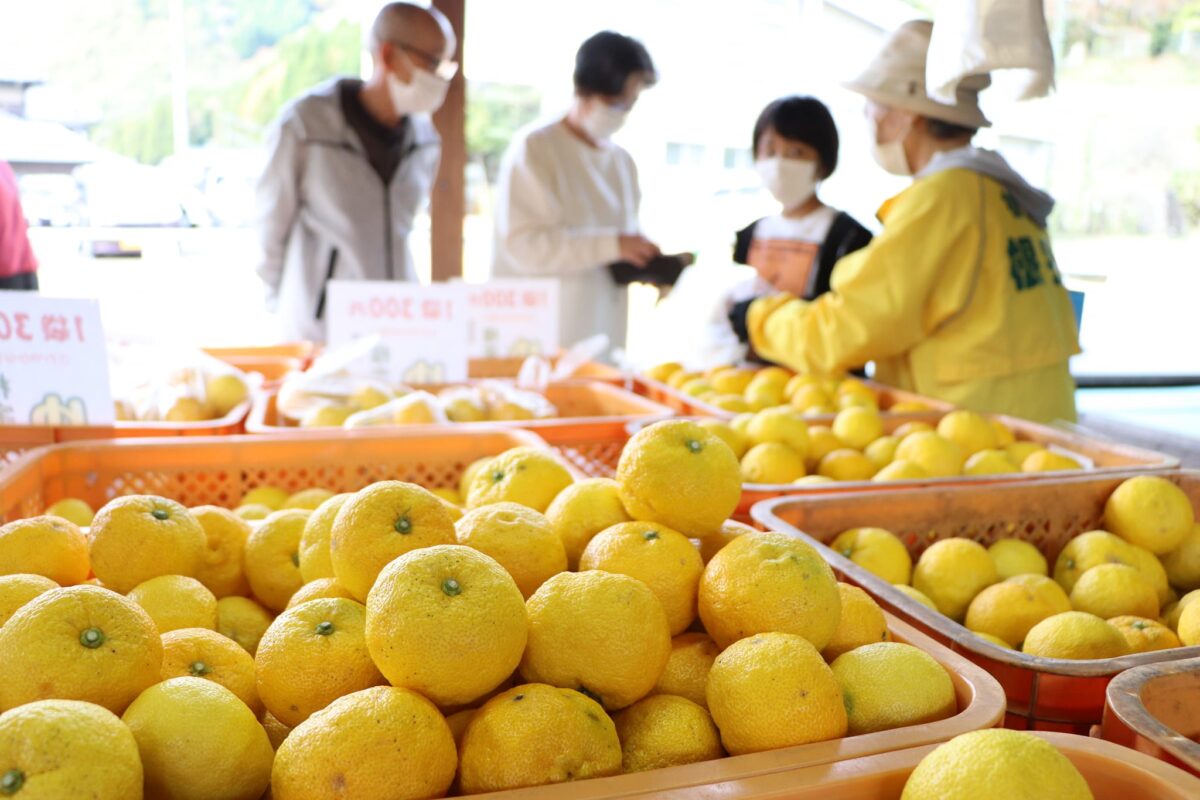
{"type": "Point", "coordinates": [53, 362]}
{"type": "Point", "coordinates": [513, 318]}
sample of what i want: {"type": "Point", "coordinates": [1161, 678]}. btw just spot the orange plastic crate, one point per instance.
{"type": "Point", "coordinates": [980, 702]}
{"type": "Point", "coordinates": [220, 470]}
{"type": "Point", "coordinates": [1156, 709]}
{"type": "Point", "coordinates": [1112, 772]}
{"type": "Point", "coordinates": [510, 367]}
{"type": "Point", "coordinates": [1043, 693]}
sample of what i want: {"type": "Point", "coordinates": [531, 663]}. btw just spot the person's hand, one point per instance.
{"type": "Point", "coordinates": [637, 249]}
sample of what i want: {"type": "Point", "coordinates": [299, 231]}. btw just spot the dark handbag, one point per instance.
{"type": "Point", "coordinates": [660, 271]}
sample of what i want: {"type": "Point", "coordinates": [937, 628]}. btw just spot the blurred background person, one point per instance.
{"type": "Point", "coordinates": [18, 266]}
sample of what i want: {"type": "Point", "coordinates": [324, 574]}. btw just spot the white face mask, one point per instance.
{"type": "Point", "coordinates": [424, 94]}
{"type": "Point", "coordinates": [889, 155]}
{"type": "Point", "coordinates": [601, 121]}
{"type": "Point", "coordinates": [791, 181]}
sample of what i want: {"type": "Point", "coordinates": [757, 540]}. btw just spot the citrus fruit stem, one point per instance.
{"type": "Point", "coordinates": [160, 514]}
{"type": "Point", "coordinates": [450, 587]}
{"type": "Point", "coordinates": [324, 628]}
{"type": "Point", "coordinates": [92, 638]}
{"type": "Point", "coordinates": [198, 669]}
{"type": "Point", "coordinates": [11, 782]}
{"type": "Point", "coordinates": [404, 525]}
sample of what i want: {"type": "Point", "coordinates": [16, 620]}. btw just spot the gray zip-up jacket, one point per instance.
{"type": "Point", "coordinates": [325, 214]}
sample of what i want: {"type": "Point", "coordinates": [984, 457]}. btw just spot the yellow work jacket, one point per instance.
{"type": "Point", "coordinates": [959, 298]}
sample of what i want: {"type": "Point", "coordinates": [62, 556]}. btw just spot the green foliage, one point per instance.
{"type": "Point", "coordinates": [496, 111]}
{"type": "Point", "coordinates": [260, 23]}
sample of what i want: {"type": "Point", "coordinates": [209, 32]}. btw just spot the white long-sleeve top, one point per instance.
{"type": "Point", "coordinates": [560, 206]}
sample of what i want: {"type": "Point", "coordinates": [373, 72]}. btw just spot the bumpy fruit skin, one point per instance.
{"type": "Point", "coordinates": [666, 731]}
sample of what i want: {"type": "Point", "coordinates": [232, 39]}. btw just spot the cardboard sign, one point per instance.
{"type": "Point", "coordinates": [53, 362]}
{"type": "Point", "coordinates": [513, 318]}
{"type": "Point", "coordinates": [423, 329]}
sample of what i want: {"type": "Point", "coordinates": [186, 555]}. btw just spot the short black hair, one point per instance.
{"type": "Point", "coordinates": [605, 62]}
{"type": "Point", "coordinates": [940, 129]}
{"type": "Point", "coordinates": [804, 119]}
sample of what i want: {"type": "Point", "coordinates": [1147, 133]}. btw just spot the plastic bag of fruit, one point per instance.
{"type": "Point", "coordinates": [414, 408]}
{"type": "Point", "coordinates": [155, 382]}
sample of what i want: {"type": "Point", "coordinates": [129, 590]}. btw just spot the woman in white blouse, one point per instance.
{"type": "Point", "coordinates": [567, 200]}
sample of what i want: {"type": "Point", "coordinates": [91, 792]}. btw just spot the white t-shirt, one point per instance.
{"type": "Point", "coordinates": [560, 206]}
{"type": "Point", "coordinates": [795, 242]}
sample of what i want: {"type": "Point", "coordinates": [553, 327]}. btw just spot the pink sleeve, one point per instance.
{"type": "Point", "coordinates": [16, 255]}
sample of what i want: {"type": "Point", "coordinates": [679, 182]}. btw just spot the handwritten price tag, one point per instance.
{"type": "Point", "coordinates": [424, 328]}
{"type": "Point", "coordinates": [513, 318]}
{"type": "Point", "coordinates": [53, 362]}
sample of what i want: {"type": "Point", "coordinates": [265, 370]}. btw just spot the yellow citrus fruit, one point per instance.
{"type": "Point", "coordinates": [18, 589]}
{"type": "Point", "coordinates": [730, 402]}
{"type": "Point", "coordinates": [861, 623]}
{"type": "Point", "coordinates": [765, 582]}
{"type": "Point", "coordinates": [1046, 589]}
{"type": "Point", "coordinates": [1188, 627]}
{"type": "Point", "coordinates": [781, 425]}
{"type": "Point", "coordinates": [138, 537]}
{"type": "Point", "coordinates": [597, 632]}
{"type": "Point", "coordinates": [889, 685]}
{"type": "Point", "coordinates": [468, 476]}
{"type": "Point", "coordinates": [821, 442]}
{"type": "Point", "coordinates": [847, 465]}
{"type": "Point", "coordinates": [176, 601]}
{"type": "Point", "coordinates": [1151, 570]}
{"type": "Point", "coordinates": [995, 764]}
{"type": "Point", "coordinates": [188, 409]}
{"type": "Point", "coordinates": [520, 539]}
{"type": "Point", "coordinates": [1151, 512]}
{"type": "Point", "coordinates": [663, 372]}
{"type": "Point", "coordinates": [659, 557]}
{"type": "Point", "coordinates": [72, 509]}
{"type": "Point", "coordinates": [78, 643]}
{"type": "Point", "coordinates": [916, 594]}
{"type": "Point", "coordinates": [169, 721]}
{"type": "Point", "coordinates": [380, 742]}
{"type": "Point", "coordinates": [741, 423]}
{"type": "Point", "coordinates": [932, 452]}
{"type": "Point", "coordinates": [907, 429]}
{"type": "Point", "coordinates": [201, 653]}
{"type": "Point", "coordinates": [666, 731]}
{"type": "Point", "coordinates": [990, 462]}
{"type": "Point", "coordinates": [909, 407]}
{"type": "Point", "coordinates": [270, 496]}
{"type": "Point", "coordinates": [1004, 434]}
{"type": "Point", "coordinates": [813, 480]}
{"type": "Point", "coordinates": [732, 380]}
{"type": "Point", "coordinates": [533, 735]}
{"type": "Point", "coordinates": [430, 607]}
{"type": "Point", "coordinates": [1008, 610]}
{"type": "Point", "coordinates": [771, 463]}
{"type": "Point", "coordinates": [369, 395]}
{"type": "Point", "coordinates": [882, 451]}
{"type": "Point", "coordinates": [1049, 461]}
{"type": "Point", "coordinates": [697, 387]}
{"type": "Point", "coordinates": [243, 621]}
{"type": "Point", "coordinates": [1019, 451]}
{"type": "Point", "coordinates": [774, 690]}
{"type": "Point", "coordinates": [901, 470]}
{"type": "Point", "coordinates": [272, 559]}
{"type": "Point", "coordinates": [1114, 590]}
{"type": "Point", "coordinates": [1088, 550]}
{"type": "Point", "coordinates": [858, 426]}
{"type": "Point", "coordinates": [686, 672]}
{"type": "Point", "coordinates": [725, 432]}
{"type": "Point", "coordinates": [225, 535]}
{"type": "Point", "coordinates": [522, 475]}
{"type": "Point", "coordinates": [315, 561]}
{"type": "Point", "coordinates": [253, 512]}
{"type": "Point", "coordinates": [680, 475]}
{"type": "Point", "coordinates": [971, 431]}
{"type": "Point", "coordinates": [584, 509]}
{"type": "Point", "coordinates": [951, 572]}
{"type": "Point", "coordinates": [762, 396]}
{"type": "Point", "coordinates": [1171, 615]}
{"type": "Point", "coordinates": [1183, 563]}
{"type": "Point", "coordinates": [464, 409]}
{"type": "Point", "coordinates": [876, 550]}
{"type": "Point", "coordinates": [799, 381]}
{"type": "Point", "coordinates": [226, 392]}
{"type": "Point", "coordinates": [1016, 557]}
{"type": "Point", "coordinates": [277, 732]}
{"type": "Point", "coordinates": [1074, 635]}
{"type": "Point", "coordinates": [317, 590]}
{"type": "Point", "coordinates": [310, 656]}
{"type": "Point", "coordinates": [67, 749]}
{"type": "Point", "coordinates": [325, 415]}
{"type": "Point", "coordinates": [711, 545]}
{"type": "Point", "coordinates": [449, 494]}
{"type": "Point", "coordinates": [48, 546]}
{"type": "Point", "coordinates": [1144, 635]}
{"type": "Point", "coordinates": [379, 523]}
{"type": "Point", "coordinates": [309, 499]}
{"type": "Point", "coordinates": [810, 396]}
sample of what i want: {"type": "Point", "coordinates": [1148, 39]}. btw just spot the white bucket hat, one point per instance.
{"type": "Point", "coordinates": [896, 77]}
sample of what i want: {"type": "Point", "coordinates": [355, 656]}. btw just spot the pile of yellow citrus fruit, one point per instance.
{"type": "Point", "coordinates": [773, 436]}
{"type": "Point", "coordinates": [520, 629]}
{"type": "Point", "coordinates": [1129, 588]}
{"type": "Point", "coordinates": [373, 403]}
{"type": "Point", "coordinates": [189, 396]}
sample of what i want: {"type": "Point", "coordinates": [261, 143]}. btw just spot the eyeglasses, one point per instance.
{"type": "Point", "coordinates": [444, 68]}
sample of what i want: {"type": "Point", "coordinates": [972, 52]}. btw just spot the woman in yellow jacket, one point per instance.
{"type": "Point", "coordinates": [959, 298]}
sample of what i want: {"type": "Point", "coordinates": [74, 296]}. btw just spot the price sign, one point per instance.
{"type": "Point", "coordinates": [53, 362]}
{"type": "Point", "coordinates": [423, 329]}
{"type": "Point", "coordinates": [513, 318]}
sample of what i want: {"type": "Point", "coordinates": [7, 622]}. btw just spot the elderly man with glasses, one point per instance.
{"type": "Point", "coordinates": [350, 165]}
